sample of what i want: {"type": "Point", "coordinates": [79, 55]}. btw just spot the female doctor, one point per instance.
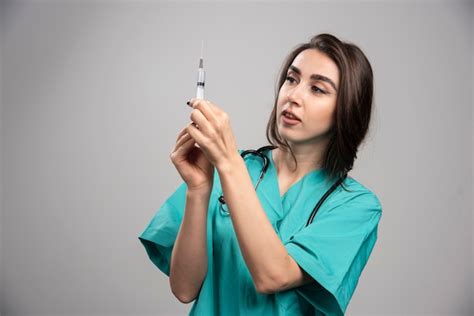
{"type": "Point", "coordinates": [252, 252]}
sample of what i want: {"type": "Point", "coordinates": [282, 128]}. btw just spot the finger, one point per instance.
{"type": "Point", "coordinates": [185, 145]}
{"type": "Point", "coordinates": [195, 133]}
{"type": "Point", "coordinates": [207, 108]}
{"type": "Point", "coordinates": [183, 139]}
{"type": "Point", "coordinates": [181, 133]}
{"type": "Point", "coordinates": [210, 111]}
{"type": "Point", "coordinates": [199, 119]}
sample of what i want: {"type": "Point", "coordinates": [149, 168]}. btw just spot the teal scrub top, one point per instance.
{"type": "Point", "coordinates": [334, 249]}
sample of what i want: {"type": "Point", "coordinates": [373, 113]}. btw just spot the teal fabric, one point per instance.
{"type": "Point", "coordinates": [334, 249]}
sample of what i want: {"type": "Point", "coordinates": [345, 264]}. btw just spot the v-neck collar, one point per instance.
{"type": "Point", "coordinates": [271, 190]}
{"type": "Point", "coordinates": [311, 178]}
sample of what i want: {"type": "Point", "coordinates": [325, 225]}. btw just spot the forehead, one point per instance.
{"type": "Point", "coordinates": [312, 61]}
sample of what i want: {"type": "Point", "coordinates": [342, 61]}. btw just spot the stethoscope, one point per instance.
{"type": "Point", "coordinates": [260, 154]}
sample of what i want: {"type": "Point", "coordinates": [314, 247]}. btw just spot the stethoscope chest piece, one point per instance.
{"type": "Point", "coordinates": [223, 209]}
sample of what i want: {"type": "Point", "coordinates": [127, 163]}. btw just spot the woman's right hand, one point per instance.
{"type": "Point", "coordinates": [192, 164]}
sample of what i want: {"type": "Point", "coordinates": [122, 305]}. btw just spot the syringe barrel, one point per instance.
{"type": "Point", "coordinates": [200, 92]}
{"type": "Point", "coordinates": [201, 77]}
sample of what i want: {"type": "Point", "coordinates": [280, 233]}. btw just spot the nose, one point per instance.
{"type": "Point", "coordinates": [295, 94]}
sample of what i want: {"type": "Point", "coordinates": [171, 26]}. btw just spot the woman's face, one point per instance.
{"type": "Point", "coordinates": [312, 100]}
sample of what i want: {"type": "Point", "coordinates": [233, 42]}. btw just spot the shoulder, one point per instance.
{"type": "Point", "coordinates": [357, 195]}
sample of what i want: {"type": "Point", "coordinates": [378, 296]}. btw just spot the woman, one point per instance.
{"type": "Point", "coordinates": [254, 254]}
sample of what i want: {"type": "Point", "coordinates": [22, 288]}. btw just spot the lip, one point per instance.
{"type": "Point", "coordinates": [288, 121]}
{"type": "Point", "coordinates": [288, 111]}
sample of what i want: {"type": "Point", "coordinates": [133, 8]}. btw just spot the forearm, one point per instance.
{"type": "Point", "coordinates": [262, 249]}
{"type": "Point", "coordinates": [189, 257]}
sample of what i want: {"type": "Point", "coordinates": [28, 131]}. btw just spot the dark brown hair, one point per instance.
{"type": "Point", "coordinates": [353, 106]}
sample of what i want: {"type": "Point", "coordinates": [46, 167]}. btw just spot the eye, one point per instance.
{"type": "Point", "coordinates": [316, 89]}
{"type": "Point", "coordinates": [290, 79]}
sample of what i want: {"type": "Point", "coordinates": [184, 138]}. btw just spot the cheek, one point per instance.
{"type": "Point", "coordinates": [279, 106]}
{"type": "Point", "coordinates": [282, 94]}
{"type": "Point", "coordinates": [322, 117]}
{"type": "Point", "coordinates": [280, 101]}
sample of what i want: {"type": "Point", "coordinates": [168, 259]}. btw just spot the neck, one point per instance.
{"type": "Point", "coordinates": [308, 156]}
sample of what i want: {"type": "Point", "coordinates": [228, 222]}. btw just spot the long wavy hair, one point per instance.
{"type": "Point", "coordinates": [353, 106]}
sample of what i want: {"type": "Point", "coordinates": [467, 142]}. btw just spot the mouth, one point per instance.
{"type": "Point", "coordinates": [290, 116]}
{"type": "Point", "coordinates": [289, 121]}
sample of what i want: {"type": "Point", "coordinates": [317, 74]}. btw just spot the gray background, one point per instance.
{"type": "Point", "coordinates": [93, 96]}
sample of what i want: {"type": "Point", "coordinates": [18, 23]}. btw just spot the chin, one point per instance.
{"type": "Point", "coordinates": [289, 138]}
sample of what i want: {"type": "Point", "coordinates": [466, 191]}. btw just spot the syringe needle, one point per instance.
{"type": "Point", "coordinates": [201, 60]}
{"type": "Point", "coordinates": [202, 48]}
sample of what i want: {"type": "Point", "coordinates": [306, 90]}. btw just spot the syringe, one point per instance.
{"type": "Point", "coordinates": [201, 76]}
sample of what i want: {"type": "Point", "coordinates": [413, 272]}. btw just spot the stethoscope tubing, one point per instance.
{"type": "Point", "coordinates": [260, 153]}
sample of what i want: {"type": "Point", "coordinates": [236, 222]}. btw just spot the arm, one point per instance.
{"type": "Point", "coordinates": [269, 263]}
{"type": "Point", "coordinates": [189, 257]}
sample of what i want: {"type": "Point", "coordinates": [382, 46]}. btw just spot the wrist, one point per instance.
{"type": "Point", "coordinates": [229, 164]}
{"type": "Point", "coordinates": [204, 191]}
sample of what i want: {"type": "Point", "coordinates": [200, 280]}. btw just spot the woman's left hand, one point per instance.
{"type": "Point", "coordinates": [213, 134]}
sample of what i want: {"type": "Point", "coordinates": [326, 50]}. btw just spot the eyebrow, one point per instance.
{"type": "Point", "coordinates": [315, 77]}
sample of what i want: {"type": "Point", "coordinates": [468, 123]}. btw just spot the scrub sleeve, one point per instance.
{"type": "Point", "coordinates": [159, 236]}
{"type": "Point", "coordinates": [334, 250]}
